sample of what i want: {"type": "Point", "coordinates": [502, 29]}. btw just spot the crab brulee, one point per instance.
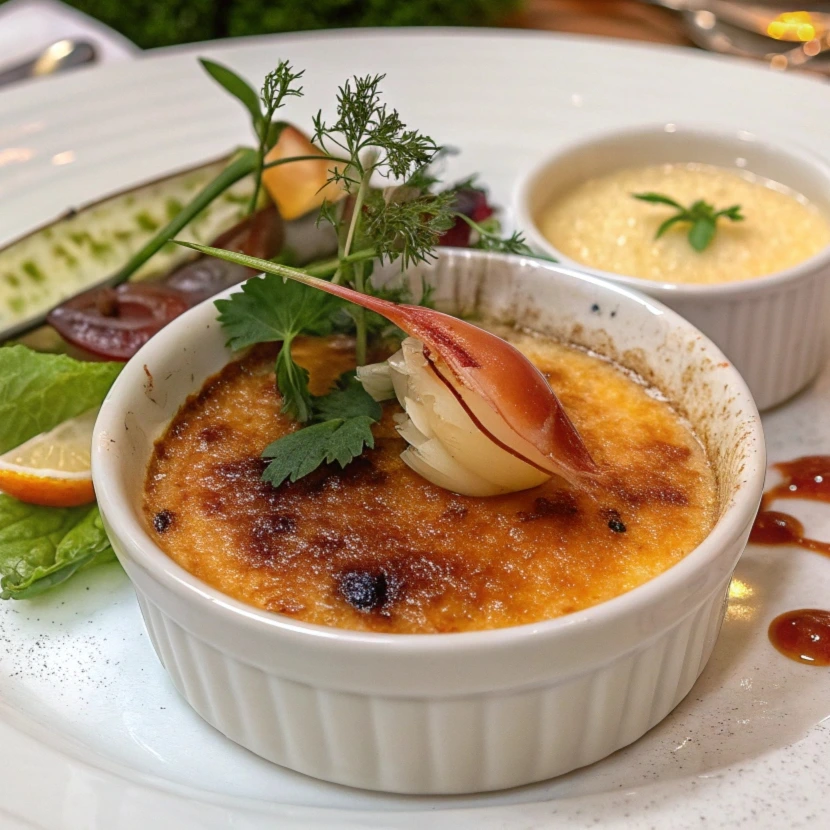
{"type": "Point", "coordinates": [375, 546]}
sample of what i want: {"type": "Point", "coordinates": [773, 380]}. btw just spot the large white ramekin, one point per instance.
{"type": "Point", "coordinates": [450, 713]}
{"type": "Point", "coordinates": [773, 328]}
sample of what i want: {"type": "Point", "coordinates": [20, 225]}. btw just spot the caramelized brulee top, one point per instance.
{"type": "Point", "coordinates": [376, 547]}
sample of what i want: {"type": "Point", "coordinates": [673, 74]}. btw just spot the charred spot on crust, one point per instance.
{"type": "Point", "coordinates": [561, 503]}
{"type": "Point", "coordinates": [616, 525]}
{"type": "Point", "coordinates": [455, 511]}
{"type": "Point", "coordinates": [264, 537]}
{"type": "Point", "coordinates": [162, 520]}
{"type": "Point", "coordinates": [656, 491]}
{"type": "Point", "coordinates": [360, 471]}
{"type": "Point", "coordinates": [267, 526]}
{"type": "Point", "coordinates": [673, 452]}
{"type": "Point", "coordinates": [364, 590]}
{"type": "Point", "coordinates": [211, 434]}
{"type": "Point", "coordinates": [213, 504]}
{"type": "Point", "coordinates": [615, 522]}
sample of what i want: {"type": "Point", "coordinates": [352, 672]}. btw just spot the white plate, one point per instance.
{"type": "Point", "coordinates": [92, 734]}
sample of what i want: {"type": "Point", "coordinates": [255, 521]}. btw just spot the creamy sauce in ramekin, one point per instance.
{"type": "Point", "coordinates": [601, 225]}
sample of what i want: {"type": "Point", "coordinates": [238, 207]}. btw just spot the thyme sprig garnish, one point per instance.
{"type": "Point", "coordinates": [701, 216]}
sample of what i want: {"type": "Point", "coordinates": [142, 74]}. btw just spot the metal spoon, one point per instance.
{"type": "Point", "coordinates": [57, 57]}
{"type": "Point", "coordinates": [756, 18]}
{"type": "Point", "coordinates": [716, 36]}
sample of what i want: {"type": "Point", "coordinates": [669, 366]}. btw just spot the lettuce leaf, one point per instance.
{"type": "Point", "coordinates": [39, 391]}
{"type": "Point", "coordinates": [41, 547]}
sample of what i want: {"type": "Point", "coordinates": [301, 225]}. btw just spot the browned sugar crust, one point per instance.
{"type": "Point", "coordinates": [376, 547]}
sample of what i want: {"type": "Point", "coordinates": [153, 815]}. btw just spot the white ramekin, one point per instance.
{"type": "Point", "coordinates": [772, 328]}
{"type": "Point", "coordinates": [449, 713]}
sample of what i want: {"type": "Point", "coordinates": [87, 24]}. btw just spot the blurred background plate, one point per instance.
{"type": "Point", "coordinates": [92, 734]}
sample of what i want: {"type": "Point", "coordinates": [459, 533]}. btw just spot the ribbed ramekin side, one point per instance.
{"type": "Point", "coordinates": [775, 338]}
{"type": "Point", "coordinates": [439, 745]}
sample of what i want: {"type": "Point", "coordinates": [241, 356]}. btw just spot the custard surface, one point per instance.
{"type": "Point", "coordinates": [376, 547]}
{"type": "Point", "coordinates": [601, 225]}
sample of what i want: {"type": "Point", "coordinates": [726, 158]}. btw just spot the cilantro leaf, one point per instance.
{"type": "Point", "coordinates": [349, 400]}
{"type": "Point", "coordinates": [268, 309]}
{"type": "Point", "coordinates": [271, 310]}
{"type": "Point", "coordinates": [292, 381]}
{"type": "Point", "coordinates": [295, 455]}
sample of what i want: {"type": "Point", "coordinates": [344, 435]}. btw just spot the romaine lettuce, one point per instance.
{"type": "Point", "coordinates": [39, 391]}
{"type": "Point", "coordinates": [41, 547]}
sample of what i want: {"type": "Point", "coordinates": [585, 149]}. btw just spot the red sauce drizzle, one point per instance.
{"type": "Point", "coordinates": [803, 636]}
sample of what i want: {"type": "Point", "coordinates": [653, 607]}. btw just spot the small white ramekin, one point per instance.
{"type": "Point", "coordinates": [773, 328]}
{"type": "Point", "coordinates": [444, 713]}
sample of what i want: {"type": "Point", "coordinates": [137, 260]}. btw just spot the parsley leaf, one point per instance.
{"type": "Point", "coordinates": [297, 454]}
{"type": "Point", "coordinates": [345, 417]}
{"type": "Point", "coordinates": [349, 400]}
{"type": "Point", "coordinates": [292, 381]}
{"type": "Point", "coordinates": [270, 310]}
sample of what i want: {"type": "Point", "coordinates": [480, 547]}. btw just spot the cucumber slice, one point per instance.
{"type": "Point", "coordinates": [85, 246]}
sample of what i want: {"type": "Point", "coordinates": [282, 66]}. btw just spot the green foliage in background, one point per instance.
{"type": "Point", "coordinates": [150, 23]}
{"type": "Point", "coordinates": [251, 16]}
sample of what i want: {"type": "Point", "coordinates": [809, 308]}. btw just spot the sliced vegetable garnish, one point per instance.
{"type": "Point", "coordinates": [116, 322]}
{"type": "Point", "coordinates": [88, 245]}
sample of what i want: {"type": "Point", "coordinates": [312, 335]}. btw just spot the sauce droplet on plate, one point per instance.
{"type": "Point", "coordinates": [774, 528]}
{"type": "Point", "coordinates": [804, 478]}
{"type": "Point", "coordinates": [803, 636]}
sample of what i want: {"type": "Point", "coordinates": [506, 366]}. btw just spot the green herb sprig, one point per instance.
{"type": "Point", "coordinates": [343, 427]}
{"type": "Point", "coordinates": [702, 217]}
{"type": "Point", "coordinates": [402, 221]}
